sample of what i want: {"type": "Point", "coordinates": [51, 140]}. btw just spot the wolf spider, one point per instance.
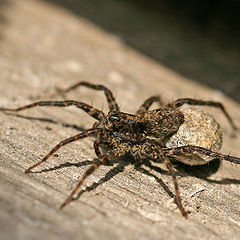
{"type": "Point", "coordinates": [143, 135]}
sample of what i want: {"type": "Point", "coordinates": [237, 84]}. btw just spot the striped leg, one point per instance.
{"type": "Point", "coordinates": [152, 150]}
{"type": "Point", "coordinates": [193, 149]}
{"type": "Point", "coordinates": [95, 113]}
{"type": "Point", "coordinates": [147, 104]}
{"type": "Point", "coordinates": [102, 160]}
{"type": "Point", "coordinates": [175, 182]}
{"type": "Point", "coordinates": [82, 135]}
{"type": "Point", "coordinates": [179, 102]}
{"type": "Point", "coordinates": [113, 106]}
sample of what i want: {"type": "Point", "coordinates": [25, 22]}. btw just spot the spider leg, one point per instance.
{"type": "Point", "coordinates": [152, 150]}
{"type": "Point", "coordinates": [95, 113]}
{"type": "Point", "coordinates": [113, 106]}
{"type": "Point", "coordinates": [193, 149]}
{"type": "Point", "coordinates": [147, 104]}
{"type": "Point", "coordinates": [82, 135]}
{"type": "Point", "coordinates": [102, 160]}
{"type": "Point", "coordinates": [175, 182]}
{"type": "Point", "coordinates": [179, 102]}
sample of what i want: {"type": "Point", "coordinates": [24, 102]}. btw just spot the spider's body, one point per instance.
{"type": "Point", "coordinates": [144, 135]}
{"type": "Point", "coordinates": [123, 132]}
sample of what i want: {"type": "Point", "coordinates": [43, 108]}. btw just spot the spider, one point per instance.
{"type": "Point", "coordinates": [144, 135]}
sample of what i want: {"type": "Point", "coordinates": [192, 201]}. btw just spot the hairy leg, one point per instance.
{"type": "Point", "coordinates": [179, 102]}
{"type": "Point", "coordinates": [151, 149]}
{"type": "Point", "coordinates": [102, 160]}
{"type": "Point", "coordinates": [147, 104]}
{"type": "Point", "coordinates": [175, 182]}
{"type": "Point", "coordinates": [113, 106]}
{"type": "Point", "coordinates": [193, 149]}
{"type": "Point", "coordinates": [95, 113]}
{"type": "Point", "coordinates": [82, 135]}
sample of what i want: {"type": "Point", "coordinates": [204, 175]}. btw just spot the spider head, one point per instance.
{"type": "Point", "coordinates": [162, 123]}
{"type": "Point", "coordinates": [123, 122]}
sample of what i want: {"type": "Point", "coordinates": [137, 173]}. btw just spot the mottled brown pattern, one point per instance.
{"type": "Point", "coordinates": [143, 135]}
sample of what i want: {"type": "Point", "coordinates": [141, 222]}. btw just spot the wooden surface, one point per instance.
{"type": "Point", "coordinates": [43, 47]}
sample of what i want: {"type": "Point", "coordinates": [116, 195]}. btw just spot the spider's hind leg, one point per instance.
{"type": "Point", "coordinates": [176, 186]}
{"type": "Point", "coordinates": [179, 102]}
{"type": "Point", "coordinates": [171, 152]}
{"type": "Point", "coordinates": [152, 150]}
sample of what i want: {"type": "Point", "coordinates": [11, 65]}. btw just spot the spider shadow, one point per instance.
{"type": "Point", "coordinates": [159, 180]}
{"type": "Point", "coordinates": [204, 171]}
{"type": "Point", "coordinates": [120, 163]}
{"type": "Point", "coordinates": [183, 170]}
{"type": "Point", "coordinates": [73, 126]}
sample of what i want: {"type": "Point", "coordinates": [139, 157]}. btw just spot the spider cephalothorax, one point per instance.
{"type": "Point", "coordinates": [160, 124]}
{"type": "Point", "coordinates": [143, 134]}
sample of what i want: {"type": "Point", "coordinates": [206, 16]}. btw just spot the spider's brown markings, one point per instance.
{"type": "Point", "coordinates": [144, 134]}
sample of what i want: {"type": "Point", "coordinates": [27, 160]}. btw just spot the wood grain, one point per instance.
{"type": "Point", "coordinates": [43, 47]}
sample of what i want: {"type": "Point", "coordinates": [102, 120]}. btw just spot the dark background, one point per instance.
{"type": "Point", "coordinates": [198, 39]}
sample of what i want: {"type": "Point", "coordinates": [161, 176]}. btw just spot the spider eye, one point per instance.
{"type": "Point", "coordinates": [114, 117]}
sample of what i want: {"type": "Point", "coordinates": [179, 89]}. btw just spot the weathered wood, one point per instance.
{"type": "Point", "coordinates": [43, 47]}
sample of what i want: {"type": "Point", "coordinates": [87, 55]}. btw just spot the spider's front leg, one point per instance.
{"type": "Point", "coordinates": [113, 106]}
{"type": "Point", "coordinates": [95, 113]}
{"type": "Point", "coordinates": [82, 135]}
